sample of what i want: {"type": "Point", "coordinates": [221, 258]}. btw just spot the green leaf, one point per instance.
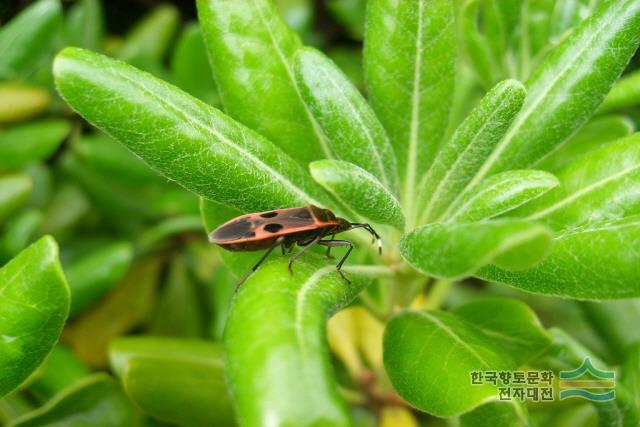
{"type": "Point", "coordinates": [409, 59]}
{"type": "Point", "coordinates": [179, 311]}
{"type": "Point", "coordinates": [611, 320]}
{"type": "Point", "coordinates": [509, 323]}
{"type": "Point", "coordinates": [60, 369]}
{"type": "Point", "coordinates": [459, 250]}
{"type": "Point", "coordinates": [19, 101]}
{"type": "Point", "coordinates": [251, 51]}
{"type": "Point", "coordinates": [351, 14]}
{"type": "Point", "coordinates": [462, 156]}
{"type": "Point", "coordinates": [501, 193]}
{"type": "Point", "coordinates": [28, 36]}
{"type": "Point", "coordinates": [591, 262]}
{"type": "Point", "coordinates": [94, 274]}
{"type": "Point", "coordinates": [591, 136]}
{"type": "Point", "coordinates": [149, 40]}
{"type": "Point", "coordinates": [353, 132]}
{"type": "Point", "coordinates": [30, 142]}
{"type": "Point", "coordinates": [277, 326]}
{"type": "Point", "coordinates": [358, 190]}
{"type": "Point", "coordinates": [94, 400]}
{"type": "Point", "coordinates": [183, 138]}
{"type": "Point", "coordinates": [34, 307]}
{"type": "Point", "coordinates": [630, 373]}
{"type": "Point", "coordinates": [178, 381]}
{"type": "Point", "coordinates": [14, 192]}
{"type": "Point", "coordinates": [418, 344]}
{"type": "Point", "coordinates": [566, 353]}
{"type": "Point", "coordinates": [497, 414]}
{"type": "Point", "coordinates": [625, 93]}
{"type": "Point", "coordinates": [112, 159]}
{"type": "Point", "coordinates": [19, 232]}
{"type": "Point", "coordinates": [84, 25]}
{"type": "Point", "coordinates": [600, 187]}
{"type": "Point", "coordinates": [568, 86]}
{"type": "Point", "coordinates": [190, 68]}
{"type": "Point", "coordinates": [126, 307]}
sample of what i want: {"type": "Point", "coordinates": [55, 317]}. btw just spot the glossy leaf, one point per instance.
{"type": "Point", "coordinates": [592, 262]}
{"type": "Point", "coordinates": [84, 25]}
{"type": "Point", "coordinates": [418, 344]}
{"type": "Point", "coordinates": [601, 187]}
{"type": "Point", "coordinates": [462, 156]}
{"type": "Point", "coordinates": [28, 36]}
{"type": "Point", "coordinates": [126, 307]}
{"type": "Point", "coordinates": [458, 250]}
{"type": "Point", "coordinates": [251, 51]}
{"type": "Point", "coordinates": [216, 157]}
{"type": "Point", "coordinates": [14, 191]}
{"type": "Point", "coordinates": [497, 414]}
{"type": "Point", "coordinates": [148, 41]}
{"type": "Point", "coordinates": [351, 13]}
{"type": "Point", "coordinates": [611, 320]}
{"type": "Point", "coordinates": [112, 159]}
{"type": "Point", "coordinates": [567, 353]}
{"type": "Point", "coordinates": [590, 137]}
{"type": "Point", "coordinates": [409, 58]}
{"type": "Point", "coordinates": [178, 381]}
{"type": "Point", "coordinates": [179, 312]}
{"type": "Point", "coordinates": [19, 231]}
{"type": "Point", "coordinates": [510, 323]}
{"type": "Point", "coordinates": [568, 86]}
{"type": "Point", "coordinates": [95, 400]}
{"type": "Point", "coordinates": [625, 93]}
{"type": "Point", "coordinates": [358, 190]}
{"type": "Point", "coordinates": [501, 193]}
{"type": "Point", "coordinates": [60, 369]}
{"type": "Point", "coordinates": [282, 343]}
{"type": "Point", "coordinates": [190, 68]}
{"type": "Point", "coordinates": [19, 101]}
{"type": "Point", "coordinates": [353, 132]}
{"type": "Point", "coordinates": [34, 306]}
{"type": "Point", "coordinates": [630, 373]}
{"type": "Point", "coordinates": [93, 275]}
{"type": "Point", "coordinates": [33, 141]}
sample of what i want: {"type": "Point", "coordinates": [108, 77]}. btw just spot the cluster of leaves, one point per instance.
{"type": "Point", "coordinates": [495, 141]}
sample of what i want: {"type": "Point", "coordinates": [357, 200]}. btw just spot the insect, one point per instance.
{"type": "Point", "coordinates": [306, 227]}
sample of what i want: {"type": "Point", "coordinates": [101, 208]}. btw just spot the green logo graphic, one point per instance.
{"type": "Point", "coordinates": [597, 385]}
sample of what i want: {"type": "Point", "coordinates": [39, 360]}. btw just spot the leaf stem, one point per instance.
{"type": "Point", "coordinates": [438, 293]}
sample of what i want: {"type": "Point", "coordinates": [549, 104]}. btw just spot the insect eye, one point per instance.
{"type": "Point", "coordinates": [269, 214]}
{"type": "Point", "coordinates": [273, 228]}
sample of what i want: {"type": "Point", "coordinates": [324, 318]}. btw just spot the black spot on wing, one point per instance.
{"type": "Point", "coordinates": [273, 227]}
{"type": "Point", "coordinates": [233, 231]}
{"type": "Point", "coordinates": [271, 214]}
{"type": "Point", "coordinates": [249, 234]}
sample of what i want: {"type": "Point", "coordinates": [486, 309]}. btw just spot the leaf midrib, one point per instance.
{"type": "Point", "coordinates": [194, 120]}
{"type": "Point", "coordinates": [583, 191]}
{"type": "Point", "coordinates": [453, 335]}
{"type": "Point", "coordinates": [524, 114]}
{"type": "Point", "coordinates": [287, 66]}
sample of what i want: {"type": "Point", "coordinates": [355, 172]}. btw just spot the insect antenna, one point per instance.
{"type": "Point", "coordinates": [370, 229]}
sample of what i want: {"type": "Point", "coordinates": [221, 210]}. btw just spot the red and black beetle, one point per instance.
{"type": "Point", "coordinates": [305, 227]}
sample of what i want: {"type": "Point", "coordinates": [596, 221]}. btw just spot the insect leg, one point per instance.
{"type": "Point", "coordinates": [333, 236]}
{"type": "Point", "coordinates": [334, 243]}
{"type": "Point", "coordinates": [304, 248]}
{"type": "Point", "coordinates": [278, 241]}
